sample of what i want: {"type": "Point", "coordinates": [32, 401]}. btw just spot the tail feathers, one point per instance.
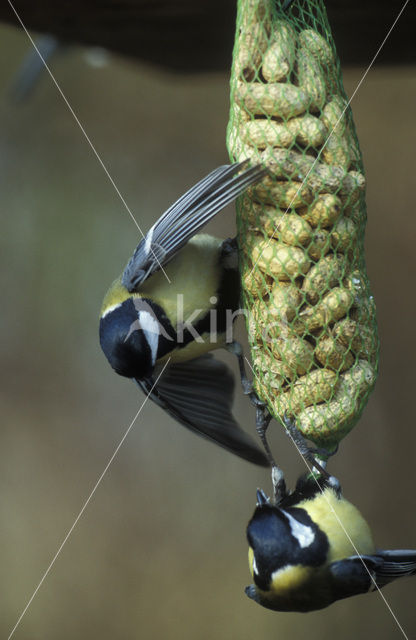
{"type": "Point", "coordinates": [395, 564]}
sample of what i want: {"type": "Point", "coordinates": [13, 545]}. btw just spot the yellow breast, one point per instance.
{"type": "Point", "coordinates": [343, 524]}
{"type": "Point", "coordinates": [194, 276]}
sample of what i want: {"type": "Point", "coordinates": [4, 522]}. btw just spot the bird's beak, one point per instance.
{"type": "Point", "coordinates": [251, 592]}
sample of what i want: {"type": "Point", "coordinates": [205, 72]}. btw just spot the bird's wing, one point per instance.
{"type": "Point", "coordinates": [353, 575]}
{"type": "Point", "coordinates": [396, 564]}
{"type": "Point", "coordinates": [199, 394]}
{"type": "Point", "coordinates": [359, 574]}
{"type": "Point", "coordinates": [186, 217]}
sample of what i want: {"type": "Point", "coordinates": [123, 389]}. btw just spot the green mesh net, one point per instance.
{"type": "Point", "coordinates": [310, 314]}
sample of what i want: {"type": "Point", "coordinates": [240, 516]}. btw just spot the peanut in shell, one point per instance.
{"type": "Point", "coordinates": [352, 187]}
{"type": "Point", "coordinates": [328, 423]}
{"type": "Point", "coordinates": [290, 228]}
{"type": "Point", "coordinates": [252, 45]}
{"type": "Point", "coordinates": [327, 273]}
{"type": "Point", "coordinates": [333, 115]}
{"type": "Point", "coordinates": [285, 300]}
{"type": "Point", "coordinates": [344, 235]}
{"type": "Point", "coordinates": [333, 306]}
{"type": "Point", "coordinates": [337, 152]}
{"type": "Point", "coordinates": [346, 332]}
{"type": "Point", "coordinates": [333, 354]}
{"type": "Point", "coordinates": [280, 99]}
{"type": "Point", "coordinates": [280, 260]}
{"type": "Point", "coordinates": [256, 320]}
{"type": "Point", "coordinates": [262, 133]}
{"type": "Point", "coordinates": [285, 194]}
{"type": "Point", "coordinates": [256, 282]}
{"type": "Point", "coordinates": [356, 381]}
{"type": "Point", "coordinates": [279, 58]}
{"type": "Point", "coordinates": [338, 148]}
{"type": "Point", "coordinates": [317, 45]}
{"type": "Point", "coordinates": [320, 244]}
{"type": "Point", "coordinates": [294, 352]}
{"type": "Point", "coordinates": [308, 130]}
{"type": "Point", "coordinates": [253, 38]}
{"type": "Point", "coordinates": [273, 373]}
{"type": "Point", "coordinates": [316, 386]}
{"type": "Point", "coordinates": [358, 337]}
{"type": "Point", "coordinates": [311, 78]}
{"type": "Point", "coordinates": [323, 211]}
{"type": "Point", "coordinates": [320, 177]}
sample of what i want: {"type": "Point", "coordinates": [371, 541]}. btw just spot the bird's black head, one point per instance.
{"type": "Point", "coordinates": [129, 337]}
{"type": "Point", "coordinates": [280, 537]}
{"type": "Point", "coordinates": [268, 535]}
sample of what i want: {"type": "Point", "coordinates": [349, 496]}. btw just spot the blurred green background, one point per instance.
{"type": "Point", "coordinates": [160, 551]}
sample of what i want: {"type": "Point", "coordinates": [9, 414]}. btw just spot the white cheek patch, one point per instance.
{"type": "Point", "coordinates": [150, 327]}
{"type": "Point", "coordinates": [303, 534]}
{"type": "Point", "coordinates": [255, 570]}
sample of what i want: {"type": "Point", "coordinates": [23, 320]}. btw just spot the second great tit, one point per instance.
{"type": "Point", "coordinates": [173, 304]}
{"type": "Point", "coordinates": [300, 557]}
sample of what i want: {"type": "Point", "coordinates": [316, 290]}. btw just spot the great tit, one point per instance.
{"type": "Point", "coordinates": [173, 304]}
{"type": "Point", "coordinates": [300, 557]}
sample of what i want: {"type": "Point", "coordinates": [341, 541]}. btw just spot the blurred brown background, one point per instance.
{"type": "Point", "coordinates": [160, 551]}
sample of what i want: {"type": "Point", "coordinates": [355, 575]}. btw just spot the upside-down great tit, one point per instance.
{"type": "Point", "coordinates": [173, 304]}
{"type": "Point", "coordinates": [301, 558]}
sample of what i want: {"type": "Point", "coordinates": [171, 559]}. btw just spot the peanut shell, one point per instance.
{"type": "Point", "coordinates": [286, 194]}
{"type": "Point", "coordinates": [320, 244]}
{"type": "Point", "coordinates": [280, 56]}
{"type": "Point", "coordinates": [344, 235]}
{"type": "Point", "coordinates": [316, 386]}
{"type": "Point", "coordinates": [294, 352]}
{"type": "Point", "coordinates": [311, 78]}
{"type": "Point", "coordinates": [285, 300]}
{"type": "Point", "coordinates": [333, 354]}
{"type": "Point", "coordinates": [358, 337]}
{"type": "Point", "coordinates": [323, 211]}
{"type": "Point", "coordinates": [338, 148]}
{"type": "Point", "coordinates": [257, 282]}
{"type": "Point", "coordinates": [327, 273]}
{"type": "Point", "coordinates": [262, 133]}
{"type": "Point", "coordinates": [280, 99]}
{"type": "Point", "coordinates": [333, 306]}
{"type": "Point", "coordinates": [280, 260]}
{"type": "Point", "coordinates": [308, 130]}
{"type": "Point", "coordinates": [317, 45]}
{"type": "Point", "coordinates": [328, 423]}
